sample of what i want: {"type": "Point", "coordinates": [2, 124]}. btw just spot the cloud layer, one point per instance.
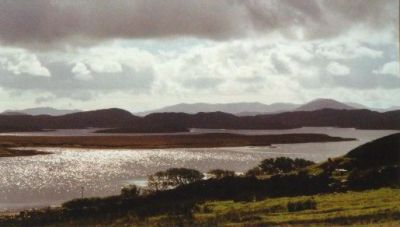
{"type": "Point", "coordinates": [46, 23]}
{"type": "Point", "coordinates": [142, 54]}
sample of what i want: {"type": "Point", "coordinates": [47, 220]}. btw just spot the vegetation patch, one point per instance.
{"type": "Point", "coordinates": [308, 204]}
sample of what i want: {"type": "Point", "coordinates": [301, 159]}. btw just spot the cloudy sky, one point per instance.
{"type": "Point", "coordinates": [141, 54]}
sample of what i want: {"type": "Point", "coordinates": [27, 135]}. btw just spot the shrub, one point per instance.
{"type": "Point", "coordinates": [173, 177]}
{"type": "Point", "coordinates": [387, 176]}
{"type": "Point", "coordinates": [220, 173]}
{"type": "Point", "coordinates": [308, 204]}
{"type": "Point", "coordinates": [131, 191]}
{"type": "Point", "coordinates": [256, 171]}
{"type": "Point", "coordinates": [278, 165]}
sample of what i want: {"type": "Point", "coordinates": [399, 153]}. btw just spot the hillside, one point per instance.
{"type": "Point", "coordinates": [319, 104]}
{"type": "Point", "coordinates": [40, 111]}
{"type": "Point", "coordinates": [107, 118]}
{"type": "Point", "coordinates": [360, 119]}
{"type": "Point", "coordinates": [372, 165]}
{"type": "Point", "coordinates": [121, 121]}
{"type": "Point", "coordinates": [380, 152]}
{"type": "Point", "coordinates": [242, 108]}
{"type": "Point", "coordinates": [257, 108]}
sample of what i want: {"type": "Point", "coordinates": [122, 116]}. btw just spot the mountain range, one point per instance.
{"type": "Point", "coordinates": [239, 109]}
{"type": "Point", "coordinates": [121, 121]}
{"type": "Point", "coordinates": [40, 111]}
{"type": "Point", "coordinates": [257, 108]}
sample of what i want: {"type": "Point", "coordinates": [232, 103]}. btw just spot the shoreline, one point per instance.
{"type": "Point", "coordinates": [208, 140]}
{"type": "Point", "coordinates": [7, 152]}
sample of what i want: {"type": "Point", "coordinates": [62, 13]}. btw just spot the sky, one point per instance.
{"type": "Point", "coordinates": [141, 54]}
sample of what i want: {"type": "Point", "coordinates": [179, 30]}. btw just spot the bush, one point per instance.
{"type": "Point", "coordinates": [387, 176]}
{"type": "Point", "coordinates": [172, 178]}
{"type": "Point", "coordinates": [220, 173]}
{"type": "Point", "coordinates": [300, 183]}
{"type": "Point", "coordinates": [256, 171]}
{"type": "Point", "coordinates": [308, 204]}
{"type": "Point", "coordinates": [131, 191]}
{"type": "Point", "coordinates": [279, 165]}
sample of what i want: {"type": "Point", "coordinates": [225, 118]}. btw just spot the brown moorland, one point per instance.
{"type": "Point", "coordinates": [165, 141]}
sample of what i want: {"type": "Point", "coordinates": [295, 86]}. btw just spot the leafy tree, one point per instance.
{"type": "Point", "coordinates": [173, 177]}
{"type": "Point", "coordinates": [131, 191]}
{"type": "Point", "coordinates": [279, 165]}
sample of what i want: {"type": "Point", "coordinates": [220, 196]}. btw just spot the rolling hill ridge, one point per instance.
{"type": "Point", "coordinates": [118, 120]}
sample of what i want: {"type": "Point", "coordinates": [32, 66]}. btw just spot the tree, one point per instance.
{"type": "Point", "coordinates": [220, 173]}
{"type": "Point", "coordinates": [302, 163]}
{"type": "Point", "coordinates": [130, 191]}
{"type": "Point", "coordinates": [284, 165]}
{"type": "Point", "coordinates": [279, 165]}
{"type": "Point", "coordinates": [173, 177]}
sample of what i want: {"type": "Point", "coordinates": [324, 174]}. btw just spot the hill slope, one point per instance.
{"type": "Point", "coordinates": [254, 108]}
{"type": "Point", "coordinates": [123, 121]}
{"type": "Point", "coordinates": [232, 108]}
{"type": "Point", "coordinates": [40, 111]}
{"type": "Point", "coordinates": [380, 152]}
{"type": "Point", "coordinates": [319, 104]}
{"type": "Point", "coordinates": [107, 118]}
{"type": "Point", "coordinates": [360, 119]}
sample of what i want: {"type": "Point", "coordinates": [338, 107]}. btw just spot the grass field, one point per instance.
{"type": "Point", "coordinates": [367, 208]}
{"type": "Point", "coordinates": [373, 208]}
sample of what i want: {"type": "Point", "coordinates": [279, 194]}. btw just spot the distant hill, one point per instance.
{"type": "Point", "coordinates": [361, 119]}
{"type": "Point", "coordinates": [123, 121]}
{"type": "Point", "coordinates": [106, 118]}
{"type": "Point", "coordinates": [319, 104]}
{"type": "Point", "coordinates": [11, 113]}
{"type": "Point", "coordinates": [257, 108]}
{"type": "Point", "coordinates": [39, 111]}
{"type": "Point", "coordinates": [243, 108]}
{"type": "Point", "coordinates": [392, 108]}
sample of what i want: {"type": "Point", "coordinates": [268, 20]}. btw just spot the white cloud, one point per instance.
{"type": "Point", "coordinates": [164, 72]}
{"type": "Point", "coordinates": [111, 59]}
{"type": "Point", "coordinates": [390, 68]}
{"type": "Point", "coordinates": [338, 69]}
{"type": "Point", "coordinates": [346, 49]}
{"type": "Point", "coordinates": [19, 61]}
{"type": "Point", "coordinates": [81, 71]}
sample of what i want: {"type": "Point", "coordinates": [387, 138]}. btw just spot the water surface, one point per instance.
{"type": "Point", "coordinates": [45, 180]}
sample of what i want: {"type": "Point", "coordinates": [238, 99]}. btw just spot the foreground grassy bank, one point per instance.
{"type": "Point", "coordinates": [380, 207]}
{"type": "Point", "coordinates": [165, 141]}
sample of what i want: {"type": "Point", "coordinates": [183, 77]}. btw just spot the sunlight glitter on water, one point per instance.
{"type": "Point", "coordinates": [44, 180]}
{"type": "Point", "coordinates": [61, 175]}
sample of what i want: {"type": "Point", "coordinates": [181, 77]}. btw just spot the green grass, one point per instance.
{"type": "Point", "coordinates": [368, 207]}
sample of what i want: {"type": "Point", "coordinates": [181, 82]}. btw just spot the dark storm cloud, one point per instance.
{"type": "Point", "coordinates": [43, 23]}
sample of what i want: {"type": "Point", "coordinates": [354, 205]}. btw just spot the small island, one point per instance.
{"type": "Point", "coordinates": [159, 141]}
{"type": "Point", "coordinates": [11, 152]}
